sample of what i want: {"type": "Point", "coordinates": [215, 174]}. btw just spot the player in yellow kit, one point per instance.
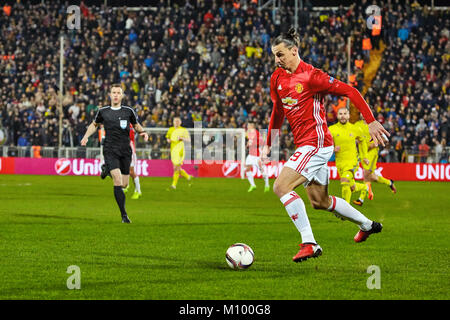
{"type": "Point", "coordinates": [369, 168]}
{"type": "Point", "coordinates": [345, 136]}
{"type": "Point", "coordinates": [177, 135]}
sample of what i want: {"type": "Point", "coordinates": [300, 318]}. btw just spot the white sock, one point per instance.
{"type": "Point", "coordinates": [265, 176]}
{"type": "Point", "coordinates": [346, 211]}
{"type": "Point", "coordinates": [137, 185]}
{"type": "Point", "coordinates": [266, 180]}
{"type": "Point", "coordinates": [295, 208]}
{"type": "Point", "coordinates": [250, 178]}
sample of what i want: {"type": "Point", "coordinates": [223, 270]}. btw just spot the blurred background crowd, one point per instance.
{"type": "Point", "coordinates": [210, 61]}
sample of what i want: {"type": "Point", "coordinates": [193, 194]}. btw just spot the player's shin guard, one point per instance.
{"type": "Point", "coordinates": [345, 211]}
{"type": "Point", "coordinates": [120, 199]}
{"type": "Point", "coordinates": [295, 208]}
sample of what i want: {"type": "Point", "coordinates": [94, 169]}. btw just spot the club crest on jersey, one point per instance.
{"type": "Point", "coordinates": [123, 124]}
{"type": "Point", "coordinates": [299, 88]}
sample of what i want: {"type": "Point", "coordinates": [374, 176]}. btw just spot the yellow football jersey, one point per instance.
{"type": "Point", "coordinates": [364, 128]}
{"type": "Point", "coordinates": [345, 137]}
{"type": "Point", "coordinates": [174, 135]}
{"type": "Point", "coordinates": [366, 135]}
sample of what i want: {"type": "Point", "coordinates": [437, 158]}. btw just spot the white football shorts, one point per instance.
{"type": "Point", "coordinates": [252, 160]}
{"type": "Point", "coordinates": [311, 162]}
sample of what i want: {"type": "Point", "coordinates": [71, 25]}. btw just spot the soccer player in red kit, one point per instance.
{"type": "Point", "coordinates": [255, 141]}
{"type": "Point", "coordinates": [297, 90]}
{"type": "Point", "coordinates": [137, 185]}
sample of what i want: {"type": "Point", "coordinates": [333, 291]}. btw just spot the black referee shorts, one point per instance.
{"type": "Point", "coordinates": [117, 159]}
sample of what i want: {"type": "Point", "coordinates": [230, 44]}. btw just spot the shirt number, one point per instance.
{"type": "Point", "coordinates": [295, 156]}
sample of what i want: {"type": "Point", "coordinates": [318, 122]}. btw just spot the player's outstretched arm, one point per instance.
{"type": "Point", "coordinates": [321, 82]}
{"type": "Point", "coordinates": [90, 130]}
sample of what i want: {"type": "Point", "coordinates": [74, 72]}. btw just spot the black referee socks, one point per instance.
{"type": "Point", "coordinates": [120, 199]}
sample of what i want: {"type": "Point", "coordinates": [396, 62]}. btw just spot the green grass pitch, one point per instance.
{"type": "Point", "coordinates": [175, 247]}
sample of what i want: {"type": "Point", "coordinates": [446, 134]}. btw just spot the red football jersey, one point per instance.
{"type": "Point", "coordinates": [299, 97]}
{"type": "Point", "coordinates": [254, 142]}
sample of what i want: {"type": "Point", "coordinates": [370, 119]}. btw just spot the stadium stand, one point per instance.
{"type": "Point", "coordinates": [211, 62]}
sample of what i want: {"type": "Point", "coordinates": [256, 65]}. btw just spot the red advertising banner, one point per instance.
{"type": "Point", "coordinates": [84, 167]}
{"type": "Point", "coordinates": [404, 171]}
{"type": "Point", "coordinates": [6, 165]}
{"type": "Point", "coordinates": [228, 169]}
{"type": "Point", "coordinates": [395, 171]}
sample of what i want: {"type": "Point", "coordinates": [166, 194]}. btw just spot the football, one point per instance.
{"type": "Point", "coordinates": [239, 256]}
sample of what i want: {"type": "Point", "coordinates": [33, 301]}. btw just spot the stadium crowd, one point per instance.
{"type": "Point", "coordinates": [211, 62]}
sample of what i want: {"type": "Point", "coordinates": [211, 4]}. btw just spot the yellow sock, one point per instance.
{"type": "Point", "coordinates": [184, 174]}
{"type": "Point", "coordinates": [176, 176]}
{"type": "Point", "coordinates": [363, 188]}
{"type": "Point", "coordinates": [384, 180]}
{"type": "Point", "coordinates": [346, 193]}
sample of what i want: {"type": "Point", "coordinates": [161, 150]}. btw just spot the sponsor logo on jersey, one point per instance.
{"type": "Point", "coordinates": [299, 88]}
{"type": "Point", "coordinates": [288, 101]}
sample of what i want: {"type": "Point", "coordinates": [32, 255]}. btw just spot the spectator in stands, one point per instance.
{"type": "Point", "coordinates": [424, 150]}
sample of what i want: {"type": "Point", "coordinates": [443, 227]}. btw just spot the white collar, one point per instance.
{"type": "Point", "coordinates": [117, 108]}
